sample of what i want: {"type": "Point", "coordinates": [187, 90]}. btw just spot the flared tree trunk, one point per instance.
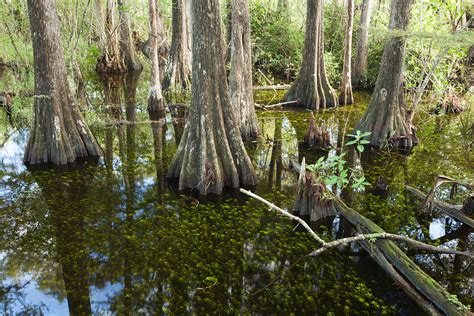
{"type": "Point", "coordinates": [345, 89]}
{"type": "Point", "coordinates": [178, 69]}
{"type": "Point", "coordinates": [156, 105]}
{"type": "Point", "coordinates": [385, 116]}
{"type": "Point", "coordinates": [359, 65]}
{"type": "Point", "coordinates": [127, 47]}
{"type": "Point", "coordinates": [211, 153]}
{"type": "Point", "coordinates": [110, 61]}
{"type": "Point", "coordinates": [311, 88]}
{"type": "Point", "coordinates": [240, 78]}
{"type": "Point", "coordinates": [59, 134]}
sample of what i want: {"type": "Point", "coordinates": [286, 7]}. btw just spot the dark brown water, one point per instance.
{"type": "Point", "coordinates": [116, 236]}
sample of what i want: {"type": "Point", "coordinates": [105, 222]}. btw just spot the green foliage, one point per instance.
{"type": "Point", "coordinates": [333, 170]}
{"type": "Point", "coordinates": [277, 43]}
{"type": "Point", "coordinates": [359, 140]}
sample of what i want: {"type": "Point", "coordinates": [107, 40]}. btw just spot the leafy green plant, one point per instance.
{"type": "Point", "coordinates": [359, 140]}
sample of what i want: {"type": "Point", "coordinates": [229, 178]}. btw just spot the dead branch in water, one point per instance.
{"type": "Point", "coordinates": [453, 211]}
{"type": "Point", "coordinates": [425, 291]}
{"type": "Point", "coordinates": [344, 241]}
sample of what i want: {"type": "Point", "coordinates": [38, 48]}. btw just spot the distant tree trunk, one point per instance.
{"type": "Point", "coordinates": [156, 105]}
{"type": "Point", "coordinates": [59, 134]}
{"type": "Point", "coordinates": [385, 116]}
{"type": "Point", "coordinates": [211, 153]}
{"type": "Point", "coordinates": [127, 47]}
{"type": "Point", "coordinates": [110, 60]}
{"type": "Point", "coordinates": [346, 85]}
{"type": "Point", "coordinates": [240, 79]}
{"type": "Point", "coordinates": [470, 58]}
{"type": "Point", "coordinates": [311, 88]}
{"type": "Point", "coordinates": [283, 5]}
{"type": "Point", "coordinates": [359, 66]}
{"type": "Point", "coordinates": [178, 69]}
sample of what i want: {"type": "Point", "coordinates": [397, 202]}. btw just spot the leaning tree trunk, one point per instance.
{"type": "Point", "coordinates": [311, 88]}
{"type": "Point", "coordinates": [359, 65]}
{"type": "Point", "coordinates": [156, 105]}
{"type": "Point", "coordinates": [59, 134]}
{"type": "Point", "coordinates": [385, 117]}
{"type": "Point", "coordinates": [127, 46]}
{"type": "Point", "coordinates": [178, 70]}
{"type": "Point", "coordinates": [110, 61]}
{"type": "Point", "coordinates": [240, 78]}
{"type": "Point", "coordinates": [346, 84]}
{"type": "Point", "coordinates": [211, 153]}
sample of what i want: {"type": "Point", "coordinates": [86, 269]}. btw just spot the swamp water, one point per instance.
{"type": "Point", "coordinates": [114, 236]}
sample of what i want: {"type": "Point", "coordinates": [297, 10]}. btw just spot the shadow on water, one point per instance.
{"type": "Point", "coordinates": [116, 235]}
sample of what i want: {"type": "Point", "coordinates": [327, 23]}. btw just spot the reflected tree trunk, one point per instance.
{"type": "Point", "coordinates": [276, 163]}
{"type": "Point", "coordinates": [64, 193]}
{"type": "Point", "coordinates": [59, 134]}
{"type": "Point", "coordinates": [159, 141]}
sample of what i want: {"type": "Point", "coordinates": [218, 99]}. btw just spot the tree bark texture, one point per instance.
{"type": "Point", "coordinates": [311, 88]}
{"type": "Point", "coordinates": [110, 61]}
{"type": "Point", "coordinates": [178, 69]}
{"type": "Point", "coordinates": [211, 153]}
{"type": "Point", "coordinates": [385, 116]}
{"type": "Point", "coordinates": [345, 89]}
{"type": "Point", "coordinates": [156, 105]}
{"type": "Point", "coordinates": [240, 78]}
{"type": "Point", "coordinates": [127, 46]}
{"type": "Point", "coordinates": [359, 66]}
{"type": "Point", "coordinates": [59, 134]}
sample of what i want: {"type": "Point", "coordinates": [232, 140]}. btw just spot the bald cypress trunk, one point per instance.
{"type": "Point", "coordinates": [156, 105]}
{"type": "Point", "coordinates": [359, 66]}
{"type": "Point", "coordinates": [59, 134]}
{"type": "Point", "coordinates": [345, 89]}
{"type": "Point", "coordinates": [127, 46]}
{"type": "Point", "coordinates": [211, 153]}
{"type": "Point", "coordinates": [110, 60]}
{"type": "Point", "coordinates": [311, 88]}
{"type": "Point", "coordinates": [178, 69]}
{"type": "Point", "coordinates": [385, 116]}
{"type": "Point", "coordinates": [240, 78]}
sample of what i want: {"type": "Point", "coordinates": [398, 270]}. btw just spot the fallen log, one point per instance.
{"type": "Point", "coordinates": [272, 87]}
{"type": "Point", "coordinates": [391, 258]}
{"type": "Point", "coordinates": [427, 286]}
{"type": "Point", "coordinates": [264, 107]}
{"type": "Point", "coordinates": [453, 211]}
{"type": "Point", "coordinates": [423, 289]}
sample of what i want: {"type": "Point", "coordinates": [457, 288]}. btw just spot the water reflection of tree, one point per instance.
{"type": "Point", "coordinates": [63, 192]}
